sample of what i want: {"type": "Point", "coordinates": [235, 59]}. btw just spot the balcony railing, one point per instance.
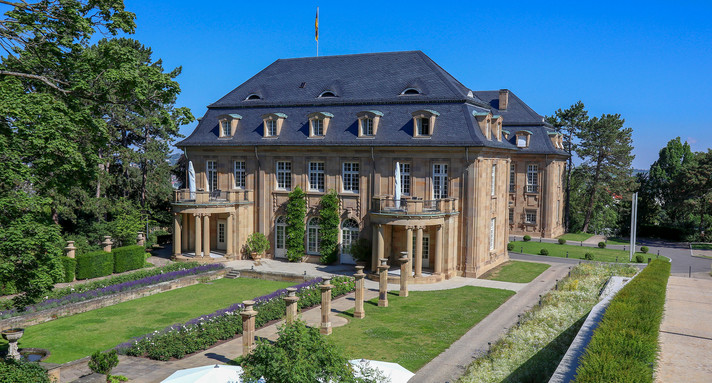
{"type": "Point", "coordinates": [215, 197]}
{"type": "Point", "coordinates": [413, 206]}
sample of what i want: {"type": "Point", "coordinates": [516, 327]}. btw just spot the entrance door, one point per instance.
{"type": "Point", "coordinates": [280, 234]}
{"type": "Point", "coordinates": [426, 249]}
{"type": "Point", "coordinates": [222, 234]}
{"type": "Point", "coordinates": [349, 236]}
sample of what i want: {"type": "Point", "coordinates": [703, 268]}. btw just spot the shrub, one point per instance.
{"type": "Point", "coordinates": [510, 246]}
{"type": "Point", "coordinates": [544, 252]}
{"type": "Point", "coordinates": [644, 249]}
{"type": "Point", "coordinates": [94, 264]}
{"type": "Point", "coordinates": [70, 268]}
{"type": "Point", "coordinates": [562, 241]}
{"type": "Point", "coordinates": [527, 238]}
{"type": "Point", "coordinates": [257, 243]}
{"type": "Point", "coordinates": [104, 362]}
{"type": "Point", "coordinates": [588, 256]}
{"type": "Point", "coordinates": [329, 228]}
{"type": "Point", "coordinates": [639, 258]}
{"type": "Point", "coordinates": [602, 245]}
{"type": "Point", "coordinates": [12, 371]}
{"type": "Point", "coordinates": [296, 213]}
{"type": "Point", "coordinates": [361, 250]}
{"type": "Point", "coordinates": [128, 258]}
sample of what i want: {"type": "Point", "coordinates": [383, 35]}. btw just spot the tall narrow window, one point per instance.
{"type": "Point", "coordinates": [239, 171]}
{"type": "Point", "coordinates": [423, 126]}
{"type": "Point", "coordinates": [367, 127]}
{"type": "Point", "coordinates": [271, 128]}
{"type": "Point", "coordinates": [350, 176]}
{"type": "Point", "coordinates": [225, 125]}
{"type": "Point", "coordinates": [212, 174]}
{"type": "Point", "coordinates": [313, 236]}
{"type": "Point", "coordinates": [494, 179]}
{"type": "Point", "coordinates": [532, 178]}
{"type": "Point", "coordinates": [425, 249]}
{"type": "Point", "coordinates": [512, 178]}
{"type": "Point", "coordinates": [511, 216]}
{"type": "Point", "coordinates": [280, 235]}
{"type": "Point", "coordinates": [493, 236]}
{"type": "Point", "coordinates": [349, 235]}
{"type": "Point", "coordinates": [316, 176]}
{"type": "Point", "coordinates": [317, 127]}
{"type": "Point", "coordinates": [284, 175]}
{"type": "Point", "coordinates": [405, 179]}
{"type": "Point", "coordinates": [439, 181]}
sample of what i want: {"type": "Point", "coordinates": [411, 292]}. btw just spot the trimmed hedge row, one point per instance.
{"type": "Point", "coordinates": [128, 258]}
{"type": "Point", "coordinates": [100, 263]}
{"type": "Point", "coordinates": [624, 347]}
{"type": "Point", "coordinates": [95, 264]}
{"type": "Point", "coordinates": [70, 268]}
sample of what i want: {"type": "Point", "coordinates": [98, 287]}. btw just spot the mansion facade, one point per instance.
{"type": "Point", "coordinates": [472, 166]}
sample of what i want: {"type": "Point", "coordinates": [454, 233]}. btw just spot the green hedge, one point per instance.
{"type": "Point", "coordinates": [70, 268]}
{"type": "Point", "coordinates": [95, 264]}
{"type": "Point", "coordinates": [128, 258]}
{"type": "Point", "coordinates": [624, 348]}
{"type": "Point", "coordinates": [12, 371]}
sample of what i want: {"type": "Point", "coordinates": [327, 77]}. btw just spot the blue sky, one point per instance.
{"type": "Point", "coordinates": [649, 61]}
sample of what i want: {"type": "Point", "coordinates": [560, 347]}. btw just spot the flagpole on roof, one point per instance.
{"type": "Point", "coordinates": [316, 31]}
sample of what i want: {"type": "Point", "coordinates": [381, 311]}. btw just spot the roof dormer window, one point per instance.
{"type": "Point", "coordinates": [327, 93]}
{"type": "Point", "coordinates": [225, 128]}
{"type": "Point", "coordinates": [253, 97]}
{"type": "Point", "coordinates": [272, 123]}
{"type": "Point", "coordinates": [496, 131]}
{"type": "Point", "coordinates": [484, 121]}
{"type": "Point", "coordinates": [523, 138]}
{"type": "Point", "coordinates": [556, 140]}
{"type": "Point", "coordinates": [319, 124]}
{"type": "Point", "coordinates": [424, 123]}
{"type": "Point", "coordinates": [368, 123]}
{"type": "Point", "coordinates": [227, 125]}
{"type": "Point", "coordinates": [410, 92]}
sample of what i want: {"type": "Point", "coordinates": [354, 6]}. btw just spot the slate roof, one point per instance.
{"type": "Point", "coordinates": [364, 82]}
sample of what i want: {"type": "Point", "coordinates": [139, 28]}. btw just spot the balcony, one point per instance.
{"type": "Point", "coordinates": [215, 197]}
{"type": "Point", "coordinates": [413, 206]}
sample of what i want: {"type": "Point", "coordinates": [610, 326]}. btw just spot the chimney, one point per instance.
{"type": "Point", "coordinates": [503, 99]}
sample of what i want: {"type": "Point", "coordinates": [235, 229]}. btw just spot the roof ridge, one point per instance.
{"type": "Point", "coordinates": [442, 73]}
{"type": "Point", "coordinates": [348, 55]}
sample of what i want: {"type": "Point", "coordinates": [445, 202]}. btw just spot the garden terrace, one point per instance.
{"type": "Point", "coordinates": [578, 252]}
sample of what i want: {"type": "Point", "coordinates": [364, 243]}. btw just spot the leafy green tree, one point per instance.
{"type": "Point", "coordinates": [295, 230]}
{"type": "Point", "coordinates": [696, 189]}
{"type": "Point", "coordinates": [329, 227]}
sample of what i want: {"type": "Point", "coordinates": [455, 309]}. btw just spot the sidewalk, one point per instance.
{"type": "Point", "coordinates": [685, 333]}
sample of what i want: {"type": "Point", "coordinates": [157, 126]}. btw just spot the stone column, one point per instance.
{"type": "Point", "coordinates": [107, 243]}
{"type": "Point", "coordinates": [177, 241]}
{"type": "Point", "coordinates": [206, 235]}
{"type": "Point", "coordinates": [229, 235]}
{"type": "Point", "coordinates": [291, 301]}
{"type": "Point", "coordinates": [198, 235]}
{"type": "Point", "coordinates": [383, 283]}
{"type": "Point", "coordinates": [380, 246]}
{"type": "Point", "coordinates": [326, 286]}
{"type": "Point", "coordinates": [185, 232]}
{"type": "Point", "coordinates": [438, 258]}
{"type": "Point", "coordinates": [419, 252]}
{"type": "Point", "coordinates": [140, 239]}
{"type": "Point", "coordinates": [248, 327]}
{"type": "Point", "coordinates": [403, 274]}
{"type": "Point", "coordinates": [71, 249]}
{"type": "Point", "coordinates": [358, 304]}
{"type": "Point", "coordinates": [409, 249]}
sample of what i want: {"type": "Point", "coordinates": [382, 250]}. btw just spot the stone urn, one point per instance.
{"type": "Point", "coordinates": [256, 257]}
{"type": "Point", "coordinates": [12, 336]}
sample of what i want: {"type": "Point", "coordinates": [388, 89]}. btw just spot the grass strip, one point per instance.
{"type": "Point", "coordinates": [578, 252]}
{"type": "Point", "coordinates": [701, 246]}
{"type": "Point", "coordinates": [516, 271]}
{"type": "Point", "coordinates": [624, 347]}
{"type": "Point", "coordinates": [576, 236]}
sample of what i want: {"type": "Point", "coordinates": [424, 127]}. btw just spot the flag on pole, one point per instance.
{"type": "Point", "coordinates": [316, 25]}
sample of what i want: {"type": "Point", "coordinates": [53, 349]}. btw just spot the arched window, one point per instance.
{"type": "Point", "coordinates": [313, 235]}
{"type": "Point", "coordinates": [253, 97]}
{"type": "Point", "coordinates": [280, 236]}
{"type": "Point", "coordinates": [327, 93]}
{"type": "Point", "coordinates": [410, 91]}
{"type": "Point", "coordinates": [349, 235]}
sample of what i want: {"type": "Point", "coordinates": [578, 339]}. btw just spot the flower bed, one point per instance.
{"type": "Point", "coordinates": [200, 333]}
{"type": "Point", "coordinates": [73, 296]}
{"type": "Point", "coordinates": [531, 351]}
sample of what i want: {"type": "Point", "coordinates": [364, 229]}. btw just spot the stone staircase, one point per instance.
{"type": "Point", "coordinates": [232, 274]}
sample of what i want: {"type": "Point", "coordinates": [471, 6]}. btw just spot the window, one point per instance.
{"type": "Point", "coordinates": [284, 175]}
{"type": "Point", "coordinates": [512, 178]}
{"type": "Point", "coordinates": [494, 179]}
{"type": "Point", "coordinates": [493, 228]}
{"type": "Point", "coordinates": [439, 181]}
{"type": "Point", "coordinates": [239, 172]}
{"type": "Point", "coordinates": [280, 234]}
{"type": "Point", "coordinates": [405, 179]}
{"type": "Point", "coordinates": [253, 97]}
{"type": "Point", "coordinates": [424, 123]}
{"type": "Point", "coordinates": [317, 127]}
{"type": "Point", "coordinates": [327, 94]}
{"type": "Point", "coordinates": [272, 123]}
{"type": "Point", "coordinates": [423, 126]}
{"type": "Point", "coordinates": [488, 131]}
{"type": "Point", "coordinates": [367, 127]}
{"type": "Point", "coordinates": [271, 128]}
{"type": "Point", "coordinates": [521, 141]}
{"type": "Point", "coordinates": [319, 124]}
{"type": "Point", "coordinates": [212, 174]}
{"type": "Point", "coordinates": [530, 216]}
{"type": "Point", "coordinates": [368, 123]}
{"type": "Point", "coordinates": [410, 91]}
{"type": "Point", "coordinates": [425, 249]}
{"type": "Point", "coordinates": [511, 216]}
{"type": "Point", "coordinates": [349, 235]}
{"type": "Point", "coordinates": [313, 236]}
{"type": "Point", "coordinates": [532, 178]}
{"type": "Point", "coordinates": [350, 177]}
{"type": "Point", "coordinates": [225, 125]}
{"type": "Point", "coordinates": [316, 176]}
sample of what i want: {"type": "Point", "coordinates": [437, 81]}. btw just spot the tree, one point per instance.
{"type": "Point", "coordinates": [296, 213]}
{"type": "Point", "coordinates": [605, 147]}
{"type": "Point", "coordinates": [329, 227]}
{"type": "Point", "coordinates": [569, 122]}
{"type": "Point", "coordinates": [696, 188]}
{"type": "Point", "coordinates": [104, 362]}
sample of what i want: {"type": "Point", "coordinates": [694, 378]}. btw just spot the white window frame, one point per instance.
{"type": "Point", "coordinates": [283, 173]}
{"type": "Point", "coordinates": [511, 216]}
{"type": "Point", "coordinates": [271, 128]}
{"type": "Point", "coordinates": [211, 175]}
{"type": "Point", "coordinates": [349, 235]}
{"type": "Point", "coordinates": [493, 234]}
{"type": "Point", "coordinates": [405, 178]}
{"type": "Point", "coordinates": [225, 126]}
{"type": "Point", "coordinates": [313, 236]}
{"type": "Point", "coordinates": [317, 126]}
{"type": "Point", "coordinates": [494, 180]}
{"type": "Point", "coordinates": [238, 169]}
{"type": "Point", "coordinates": [280, 233]}
{"type": "Point", "coordinates": [426, 246]}
{"type": "Point", "coordinates": [532, 178]}
{"type": "Point", "coordinates": [530, 217]}
{"type": "Point", "coordinates": [512, 177]}
{"type": "Point", "coordinates": [350, 177]}
{"type": "Point", "coordinates": [440, 181]}
{"type": "Point", "coordinates": [316, 176]}
{"type": "Point", "coordinates": [367, 126]}
{"type": "Point", "coordinates": [422, 124]}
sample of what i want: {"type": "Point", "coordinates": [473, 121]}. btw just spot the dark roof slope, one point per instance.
{"type": "Point", "coordinates": [517, 112]}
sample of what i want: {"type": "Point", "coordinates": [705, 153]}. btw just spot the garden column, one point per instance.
{"type": "Point", "coordinates": [206, 235]}
{"type": "Point", "coordinates": [71, 249]}
{"type": "Point", "coordinates": [409, 248]}
{"type": "Point", "coordinates": [419, 252]}
{"type": "Point", "coordinates": [229, 235]}
{"type": "Point", "coordinates": [438, 259]}
{"type": "Point", "coordinates": [185, 232]}
{"type": "Point", "coordinates": [380, 246]}
{"type": "Point", "coordinates": [176, 234]}
{"type": "Point", "coordinates": [291, 302]}
{"type": "Point", "coordinates": [248, 327]}
{"type": "Point", "coordinates": [107, 243]}
{"type": "Point", "coordinates": [403, 274]}
{"type": "Point", "coordinates": [198, 235]}
{"type": "Point", "coordinates": [383, 283]}
{"type": "Point", "coordinates": [326, 286]}
{"type": "Point", "coordinates": [358, 305]}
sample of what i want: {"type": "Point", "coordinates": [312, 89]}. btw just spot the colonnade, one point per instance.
{"type": "Point", "coordinates": [201, 232]}
{"type": "Point", "coordinates": [415, 261]}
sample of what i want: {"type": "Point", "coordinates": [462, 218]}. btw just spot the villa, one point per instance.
{"type": "Point", "coordinates": [474, 166]}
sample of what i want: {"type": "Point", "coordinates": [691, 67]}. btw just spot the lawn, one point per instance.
{"type": "Point", "coordinates": [577, 252]}
{"type": "Point", "coordinates": [617, 241]}
{"type": "Point", "coordinates": [516, 271]}
{"type": "Point", "coordinates": [74, 337]}
{"type": "Point", "coordinates": [701, 246]}
{"type": "Point", "coordinates": [576, 237]}
{"type": "Point", "coordinates": [416, 329]}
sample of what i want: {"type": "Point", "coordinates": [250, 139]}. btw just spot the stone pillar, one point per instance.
{"type": "Point", "coordinates": [206, 235]}
{"type": "Point", "coordinates": [409, 248]}
{"type": "Point", "coordinates": [380, 246]}
{"type": "Point", "coordinates": [140, 239]}
{"type": "Point", "coordinates": [403, 274]}
{"type": "Point", "coordinates": [107, 243]}
{"type": "Point", "coordinates": [325, 287]}
{"type": "Point", "coordinates": [177, 241]}
{"type": "Point", "coordinates": [198, 235]}
{"type": "Point", "coordinates": [248, 327]}
{"type": "Point", "coordinates": [185, 231]}
{"type": "Point", "coordinates": [71, 249]}
{"type": "Point", "coordinates": [291, 301]}
{"type": "Point", "coordinates": [358, 305]}
{"type": "Point", "coordinates": [419, 252]}
{"type": "Point", "coordinates": [383, 283]}
{"type": "Point", "coordinates": [438, 259]}
{"type": "Point", "coordinates": [229, 235]}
